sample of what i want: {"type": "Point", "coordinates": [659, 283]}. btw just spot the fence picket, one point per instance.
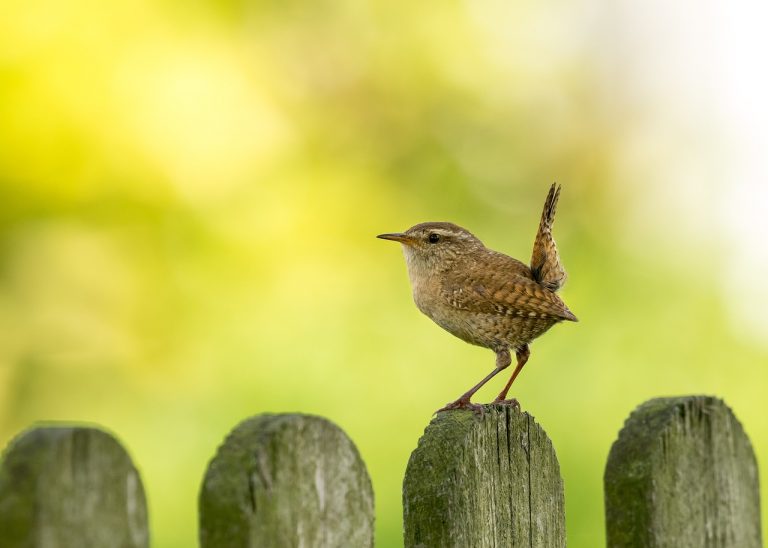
{"type": "Point", "coordinates": [70, 487]}
{"type": "Point", "coordinates": [682, 473]}
{"type": "Point", "coordinates": [286, 480]}
{"type": "Point", "coordinates": [482, 482]}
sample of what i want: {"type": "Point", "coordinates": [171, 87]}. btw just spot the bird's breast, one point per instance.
{"type": "Point", "coordinates": [425, 294]}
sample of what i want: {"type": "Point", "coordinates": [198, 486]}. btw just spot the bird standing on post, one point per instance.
{"type": "Point", "coordinates": [485, 297]}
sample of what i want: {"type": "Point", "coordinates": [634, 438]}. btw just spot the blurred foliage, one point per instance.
{"type": "Point", "coordinates": [189, 196]}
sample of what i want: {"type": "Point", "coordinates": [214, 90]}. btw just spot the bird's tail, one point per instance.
{"type": "Point", "coordinates": [550, 207]}
{"type": "Point", "coordinates": [545, 260]}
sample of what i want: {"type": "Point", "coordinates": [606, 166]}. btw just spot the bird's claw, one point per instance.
{"type": "Point", "coordinates": [512, 402]}
{"type": "Point", "coordinates": [463, 403]}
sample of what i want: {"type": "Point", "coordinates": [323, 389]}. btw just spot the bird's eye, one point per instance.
{"type": "Point", "coordinates": [433, 238]}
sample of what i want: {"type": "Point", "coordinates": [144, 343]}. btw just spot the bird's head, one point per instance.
{"type": "Point", "coordinates": [430, 245]}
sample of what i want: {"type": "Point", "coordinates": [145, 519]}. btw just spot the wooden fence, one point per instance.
{"type": "Point", "coordinates": [682, 473]}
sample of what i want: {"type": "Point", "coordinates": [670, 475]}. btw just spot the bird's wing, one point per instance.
{"type": "Point", "coordinates": [545, 260]}
{"type": "Point", "coordinates": [503, 293]}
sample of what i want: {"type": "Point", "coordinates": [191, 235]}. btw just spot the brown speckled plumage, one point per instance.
{"type": "Point", "coordinates": [485, 297]}
{"type": "Point", "coordinates": [545, 260]}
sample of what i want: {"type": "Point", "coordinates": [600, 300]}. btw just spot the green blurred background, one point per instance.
{"type": "Point", "coordinates": [190, 193]}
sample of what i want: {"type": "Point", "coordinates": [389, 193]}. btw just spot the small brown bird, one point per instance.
{"type": "Point", "coordinates": [484, 297]}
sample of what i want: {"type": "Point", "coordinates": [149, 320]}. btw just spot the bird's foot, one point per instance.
{"type": "Point", "coordinates": [512, 402]}
{"type": "Point", "coordinates": [462, 403]}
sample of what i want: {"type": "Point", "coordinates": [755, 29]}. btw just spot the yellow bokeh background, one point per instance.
{"type": "Point", "coordinates": [189, 194]}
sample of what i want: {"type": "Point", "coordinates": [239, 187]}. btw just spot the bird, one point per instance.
{"type": "Point", "coordinates": [485, 297]}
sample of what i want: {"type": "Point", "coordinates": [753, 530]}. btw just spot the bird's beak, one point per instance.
{"type": "Point", "coordinates": [397, 237]}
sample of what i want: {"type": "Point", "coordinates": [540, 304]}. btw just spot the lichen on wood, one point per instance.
{"type": "Point", "coordinates": [70, 487]}
{"type": "Point", "coordinates": [484, 481]}
{"type": "Point", "coordinates": [682, 473]}
{"type": "Point", "coordinates": [286, 481]}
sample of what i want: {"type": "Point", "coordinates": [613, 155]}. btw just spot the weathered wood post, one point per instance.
{"type": "Point", "coordinates": [286, 480]}
{"type": "Point", "coordinates": [70, 487]}
{"type": "Point", "coordinates": [482, 482]}
{"type": "Point", "coordinates": [682, 473]}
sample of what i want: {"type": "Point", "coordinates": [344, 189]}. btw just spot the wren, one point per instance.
{"type": "Point", "coordinates": [485, 297]}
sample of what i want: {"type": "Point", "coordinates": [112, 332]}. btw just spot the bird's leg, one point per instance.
{"type": "Point", "coordinates": [522, 356]}
{"type": "Point", "coordinates": [503, 359]}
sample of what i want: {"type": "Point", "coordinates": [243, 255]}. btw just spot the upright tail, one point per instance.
{"type": "Point", "coordinates": [545, 260]}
